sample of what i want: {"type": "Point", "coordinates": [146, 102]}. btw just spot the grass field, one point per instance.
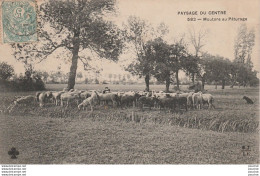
{"type": "Point", "coordinates": [53, 135]}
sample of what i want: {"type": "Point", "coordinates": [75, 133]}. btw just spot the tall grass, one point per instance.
{"type": "Point", "coordinates": [203, 119]}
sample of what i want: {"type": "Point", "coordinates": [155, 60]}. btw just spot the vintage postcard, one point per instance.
{"type": "Point", "coordinates": [129, 82]}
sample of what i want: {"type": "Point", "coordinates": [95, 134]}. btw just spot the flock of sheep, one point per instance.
{"type": "Point", "coordinates": [91, 98]}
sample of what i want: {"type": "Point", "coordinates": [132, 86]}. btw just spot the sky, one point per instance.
{"type": "Point", "coordinates": [219, 40]}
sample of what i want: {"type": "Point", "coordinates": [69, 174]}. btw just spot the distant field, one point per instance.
{"type": "Point", "coordinates": [117, 87]}
{"type": "Point", "coordinates": [54, 135]}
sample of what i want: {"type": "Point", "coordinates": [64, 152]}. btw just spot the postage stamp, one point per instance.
{"type": "Point", "coordinates": [19, 21]}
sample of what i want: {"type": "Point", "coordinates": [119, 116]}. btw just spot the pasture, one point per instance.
{"type": "Point", "coordinates": [55, 135]}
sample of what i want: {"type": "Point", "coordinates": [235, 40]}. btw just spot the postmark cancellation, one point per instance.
{"type": "Point", "coordinates": [18, 21]}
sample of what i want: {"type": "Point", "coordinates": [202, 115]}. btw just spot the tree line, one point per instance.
{"type": "Point", "coordinates": [78, 26]}
{"type": "Point", "coordinates": [164, 61]}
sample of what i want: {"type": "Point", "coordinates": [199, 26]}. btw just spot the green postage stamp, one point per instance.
{"type": "Point", "coordinates": [19, 21]}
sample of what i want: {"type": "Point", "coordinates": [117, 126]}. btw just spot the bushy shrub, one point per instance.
{"type": "Point", "coordinates": [6, 71]}
{"type": "Point", "coordinates": [23, 83]}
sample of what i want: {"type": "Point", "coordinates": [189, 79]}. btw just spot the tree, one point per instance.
{"type": "Point", "coordinates": [128, 76]}
{"type": "Point", "coordinates": [217, 69]}
{"type": "Point", "coordinates": [245, 76]}
{"type": "Point", "coordinates": [6, 71]}
{"type": "Point", "coordinates": [158, 51]}
{"type": "Point", "coordinates": [110, 77]}
{"type": "Point", "coordinates": [45, 76]}
{"type": "Point", "coordinates": [243, 46]}
{"type": "Point", "coordinates": [119, 77]}
{"type": "Point", "coordinates": [197, 40]}
{"type": "Point", "coordinates": [190, 66]}
{"type": "Point", "coordinates": [79, 75]}
{"type": "Point", "coordinates": [250, 45]}
{"type": "Point", "coordinates": [253, 79]}
{"type": "Point", "coordinates": [178, 55]}
{"type": "Point", "coordinates": [139, 32]}
{"type": "Point", "coordinates": [74, 26]}
{"type": "Point", "coordinates": [114, 76]}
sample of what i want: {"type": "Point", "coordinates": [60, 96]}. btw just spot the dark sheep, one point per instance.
{"type": "Point", "coordinates": [150, 101]}
{"type": "Point", "coordinates": [182, 103]}
{"type": "Point", "coordinates": [128, 100]}
{"type": "Point", "coordinates": [168, 102]}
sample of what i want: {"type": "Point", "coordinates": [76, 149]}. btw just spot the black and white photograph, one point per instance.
{"type": "Point", "coordinates": [129, 82]}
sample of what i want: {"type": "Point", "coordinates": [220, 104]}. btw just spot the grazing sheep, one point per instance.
{"type": "Point", "coordinates": [42, 98]}
{"type": "Point", "coordinates": [68, 97]}
{"type": "Point", "coordinates": [182, 102]}
{"type": "Point", "coordinates": [109, 97]}
{"type": "Point", "coordinates": [49, 96]}
{"type": "Point", "coordinates": [159, 94]}
{"type": "Point", "coordinates": [45, 97]}
{"type": "Point", "coordinates": [22, 101]}
{"type": "Point", "coordinates": [184, 95]}
{"type": "Point", "coordinates": [150, 101]}
{"type": "Point", "coordinates": [197, 100]}
{"type": "Point", "coordinates": [142, 93]}
{"type": "Point", "coordinates": [56, 97]}
{"type": "Point", "coordinates": [86, 94]}
{"type": "Point", "coordinates": [208, 98]}
{"type": "Point", "coordinates": [129, 98]}
{"type": "Point", "coordinates": [92, 100]}
{"type": "Point", "coordinates": [167, 102]}
{"type": "Point", "coordinates": [189, 100]}
{"type": "Point", "coordinates": [25, 100]}
{"type": "Point", "coordinates": [248, 100]}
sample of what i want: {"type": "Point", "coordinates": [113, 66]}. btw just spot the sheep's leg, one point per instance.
{"type": "Point", "coordinates": [193, 102]}
{"type": "Point", "coordinates": [41, 103]}
{"type": "Point", "coordinates": [212, 106]}
{"type": "Point", "coordinates": [91, 107]}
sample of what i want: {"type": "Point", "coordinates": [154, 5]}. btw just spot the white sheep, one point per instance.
{"type": "Point", "coordinates": [56, 97]}
{"type": "Point", "coordinates": [92, 100]}
{"type": "Point", "coordinates": [68, 97]}
{"type": "Point", "coordinates": [189, 100]}
{"type": "Point", "coordinates": [22, 101]}
{"type": "Point", "coordinates": [43, 98]}
{"type": "Point", "coordinates": [208, 98]}
{"type": "Point", "coordinates": [197, 100]}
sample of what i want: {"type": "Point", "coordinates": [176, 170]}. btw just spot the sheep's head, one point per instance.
{"type": "Point", "coordinates": [49, 94]}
